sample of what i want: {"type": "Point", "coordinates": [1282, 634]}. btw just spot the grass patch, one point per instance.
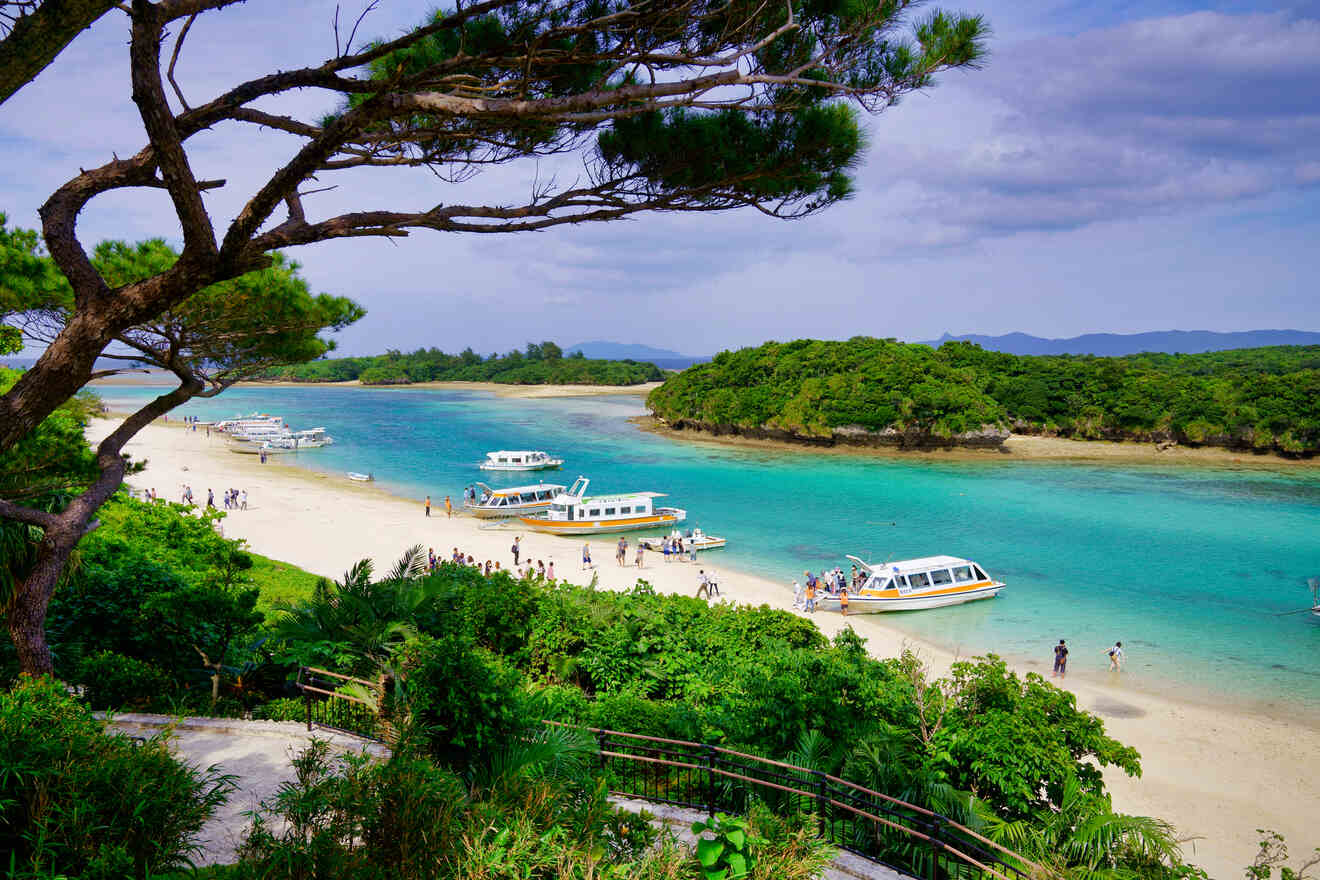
{"type": "Point", "coordinates": [279, 582]}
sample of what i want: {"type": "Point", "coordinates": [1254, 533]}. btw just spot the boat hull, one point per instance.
{"type": "Point", "coordinates": [553, 464]}
{"type": "Point", "coordinates": [600, 527]}
{"type": "Point", "coordinates": [707, 544]}
{"type": "Point", "coordinates": [878, 604]}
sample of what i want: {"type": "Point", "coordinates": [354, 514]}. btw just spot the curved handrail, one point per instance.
{"type": "Point", "coordinates": [943, 845]}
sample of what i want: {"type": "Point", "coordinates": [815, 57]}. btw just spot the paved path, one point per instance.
{"type": "Point", "coordinates": [258, 753]}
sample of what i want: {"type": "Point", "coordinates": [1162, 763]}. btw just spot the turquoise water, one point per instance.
{"type": "Point", "coordinates": [1189, 567]}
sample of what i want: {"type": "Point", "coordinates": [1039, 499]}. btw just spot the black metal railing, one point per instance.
{"type": "Point", "coordinates": [905, 837]}
{"type": "Point", "coordinates": [327, 705]}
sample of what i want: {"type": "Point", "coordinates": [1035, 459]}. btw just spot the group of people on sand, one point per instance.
{"type": "Point", "coordinates": [449, 506]}
{"type": "Point", "coordinates": [673, 549]}
{"type": "Point", "coordinates": [1115, 655]}
{"type": "Point", "coordinates": [828, 583]}
{"type": "Point", "coordinates": [540, 571]}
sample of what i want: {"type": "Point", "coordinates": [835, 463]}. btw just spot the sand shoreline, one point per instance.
{"type": "Point", "coordinates": [1018, 447]}
{"type": "Point", "coordinates": [324, 523]}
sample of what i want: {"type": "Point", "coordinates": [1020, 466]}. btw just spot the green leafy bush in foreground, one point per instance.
{"type": "Point", "coordinates": [79, 801]}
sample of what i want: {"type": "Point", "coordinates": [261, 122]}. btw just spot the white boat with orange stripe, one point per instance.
{"type": "Point", "coordinates": [573, 513]}
{"type": "Point", "coordinates": [914, 584]}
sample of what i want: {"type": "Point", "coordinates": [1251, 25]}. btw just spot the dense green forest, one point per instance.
{"type": "Point", "coordinates": [542, 364]}
{"type": "Point", "coordinates": [876, 391]}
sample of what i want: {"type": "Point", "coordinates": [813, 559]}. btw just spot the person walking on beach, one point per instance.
{"type": "Point", "coordinates": [843, 602]}
{"type": "Point", "coordinates": [210, 498]}
{"type": "Point", "coordinates": [621, 552]}
{"type": "Point", "coordinates": [449, 508]}
{"type": "Point", "coordinates": [514, 549]}
{"type": "Point", "coordinates": [797, 595]}
{"type": "Point", "coordinates": [810, 605]}
{"type": "Point", "coordinates": [1061, 660]}
{"type": "Point", "coordinates": [640, 548]}
{"type": "Point", "coordinates": [1115, 657]}
{"type": "Point", "coordinates": [703, 585]}
{"type": "Point", "coordinates": [586, 556]}
{"type": "Point", "coordinates": [243, 504]}
{"type": "Point", "coordinates": [428, 505]}
{"type": "Point", "coordinates": [550, 570]}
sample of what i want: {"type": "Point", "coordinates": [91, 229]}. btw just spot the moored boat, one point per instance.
{"type": "Point", "coordinates": [692, 537]}
{"type": "Point", "coordinates": [360, 478]}
{"type": "Point", "coordinates": [573, 513]}
{"type": "Point", "coordinates": [488, 503]}
{"type": "Point", "coordinates": [519, 460]}
{"type": "Point", "coordinates": [915, 584]}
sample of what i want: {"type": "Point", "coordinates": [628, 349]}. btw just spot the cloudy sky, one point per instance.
{"type": "Point", "coordinates": [1114, 167]}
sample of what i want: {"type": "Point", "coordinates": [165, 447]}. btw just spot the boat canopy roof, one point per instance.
{"type": "Point", "coordinates": [518, 490]}
{"type": "Point", "coordinates": [904, 566]}
{"type": "Point", "coordinates": [500, 452]}
{"type": "Point", "coordinates": [606, 499]}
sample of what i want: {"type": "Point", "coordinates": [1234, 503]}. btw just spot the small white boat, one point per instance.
{"type": "Point", "coordinates": [690, 538]}
{"type": "Point", "coordinates": [489, 503]}
{"type": "Point", "coordinates": [915, 584]}
{"type": "Point", "coordinates": [572, 513]}
{"type": "Point", "coordinates": [360, 478]}
{"type": "Point", "coordinates": [519, 460]}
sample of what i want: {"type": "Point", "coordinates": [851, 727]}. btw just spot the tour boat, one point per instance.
{"type": "Point", "coordinates": [488, 503]}
{"type": "Point", "coordinates": [360, 478]}
{"type": "Point", "coordinates": [573, 513]}
{"type": "Point", "coordinates": [929, 582]}
{"type": "Point", "coordinates": [284, 441]}
{"type": "Point", "coordinates": [255, 422]}
{"type": "Point", "coordinates": [702, 540]}
{"type": "Point", "coordinates": [519, 460]}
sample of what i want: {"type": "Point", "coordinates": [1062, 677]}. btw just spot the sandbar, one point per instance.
{"type": "Point", "coordinates": [1018, 447]}
{"type": "Point", "coordinates": [1216, 772]}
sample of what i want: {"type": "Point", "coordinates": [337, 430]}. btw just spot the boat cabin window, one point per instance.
{"type": "Point", "coordinates": [503, 460]}
{"type": "Point", "coordinates": [609, 511]}
{"type": "Point", "coordinates": [980, 575]}
{"type": "Point", "coordinates": [941, 577]}
{"type": "Point", "coordinates": [962, 574]}
{"type": "Point", "coordinates": [625, 510]}
{"type": "Point", "coordinates": [595, 511]}
{"type": "Point", "coordinates": [559, 508]}
{"type": "Point", "coordinates": [517, 461]}
{"type": "Point", "coordinates": [919, 579]}
{"type": "Point", "coordinates": [878, 583]}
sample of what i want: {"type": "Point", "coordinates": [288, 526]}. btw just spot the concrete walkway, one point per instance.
{"type": "Point", "coordinates": [258, 754]}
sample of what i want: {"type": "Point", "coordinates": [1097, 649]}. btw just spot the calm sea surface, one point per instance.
{"type": "Point", "coordinates": [1189, 567]}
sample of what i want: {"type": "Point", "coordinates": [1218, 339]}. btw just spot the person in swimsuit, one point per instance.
{"type": "Point", "coordinates": [1061, 659]}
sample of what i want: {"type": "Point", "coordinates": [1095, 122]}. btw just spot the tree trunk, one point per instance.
{"type": "Point", "coordinates": [41, 35]}
{"type": "Point", "coordinates": [26, 610]}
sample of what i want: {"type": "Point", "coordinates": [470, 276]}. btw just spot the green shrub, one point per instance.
{"type": "Point", "coordinates": [113, 681]}
{"type": "Point", "coordinates": [281, 709]}
{"type": "Point", "coordinates": [79, 801]}
{"type": "Point", "coordinates": [352, 817]}
{"type": "Point", "coordinates": [464, 698]}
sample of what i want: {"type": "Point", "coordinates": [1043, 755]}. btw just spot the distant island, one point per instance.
{"type": "Point", "coordinates": [1119, 344]}
{"type": "Point", "coordinates": [880, 392]}
{"type": "Point", "coordinates": [540, 364]}
{"type": "Point", "coordinates": [663, 358]}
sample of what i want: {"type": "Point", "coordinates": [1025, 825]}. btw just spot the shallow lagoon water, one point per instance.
{"type": "Point", "coordinates": [1190, 567]}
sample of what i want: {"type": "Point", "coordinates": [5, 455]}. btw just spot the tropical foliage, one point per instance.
{"type": "Point", "coordinates": [78, 801]}
{"type": "Point", "coordinates": [540, 364]}
{"type": "Point", "coordinates": [869, 390]}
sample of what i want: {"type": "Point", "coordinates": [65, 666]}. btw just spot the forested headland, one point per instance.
{"type": "Point", "coordinates": [880, 392]}
{"type": "Point", "coordinates": [540, 364]}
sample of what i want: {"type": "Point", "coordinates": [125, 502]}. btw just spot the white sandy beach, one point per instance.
{"type": "Point", "coordinates": [1216, 773]}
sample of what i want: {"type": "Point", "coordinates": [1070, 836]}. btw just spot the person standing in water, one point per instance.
{"type": "Point", "coordinates": [1116, 657]}
{"type": "Point", "coordinates": [1061, 660]}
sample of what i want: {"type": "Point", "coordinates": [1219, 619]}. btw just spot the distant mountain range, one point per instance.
{"type": "Point", "coordinates": [1118, 344]}
{"type": "Point", "coordinates": [663, 358]}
